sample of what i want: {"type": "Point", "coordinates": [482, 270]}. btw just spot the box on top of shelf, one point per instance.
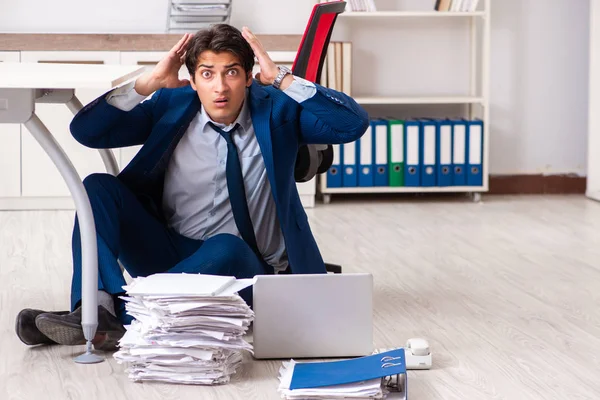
{"type": "Point", "coordinates": [192, 15]}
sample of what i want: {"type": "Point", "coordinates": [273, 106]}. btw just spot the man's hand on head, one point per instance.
{"type": "Point", "coordinates": [166, 73]}
{"type": "Point", "coordinates": [268, 69]}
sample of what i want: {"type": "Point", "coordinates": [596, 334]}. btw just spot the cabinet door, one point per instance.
{"type": "Point", "coordinates": [10, 148]}
{"type": "Point", "coordinates": [148, 59]}
{"type": "Point", "coordinates": [40, 176]}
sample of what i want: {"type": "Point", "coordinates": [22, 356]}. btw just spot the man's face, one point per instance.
{"type": "Point", "coordinates": [220, 81]}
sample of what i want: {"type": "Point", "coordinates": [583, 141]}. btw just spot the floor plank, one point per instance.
{"type": "Point", "coordinates": [506, 291]}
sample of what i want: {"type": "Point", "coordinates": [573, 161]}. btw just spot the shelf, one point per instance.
{"type": "Point", "coordinates": [404, 189]}
{"type": "Point", "coordinates": [426, 14]}
{"type": "Point", "coordinates": [419, 100]}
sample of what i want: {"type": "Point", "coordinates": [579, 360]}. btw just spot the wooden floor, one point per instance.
{"type": "Point", "coordinates": [507, 292]}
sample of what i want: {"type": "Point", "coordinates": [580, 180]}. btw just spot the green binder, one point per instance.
{"type": "Point", "coordinates": [396, 152]}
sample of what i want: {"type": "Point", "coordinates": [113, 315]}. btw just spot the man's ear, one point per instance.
{"type": "Point", "coordinates": [249, 79]}
{"type": "Point", "coordinates": [193, 83]}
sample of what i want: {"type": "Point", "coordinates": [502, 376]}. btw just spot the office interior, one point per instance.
{"type": "Point", "coordinates": [483, 242]}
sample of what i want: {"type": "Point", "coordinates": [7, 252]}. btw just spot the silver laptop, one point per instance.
{"type": "Point", "coordinates": [313, 316]}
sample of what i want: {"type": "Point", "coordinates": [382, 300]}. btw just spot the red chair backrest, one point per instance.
{"type": "Point", "coordinates": [315, 41]}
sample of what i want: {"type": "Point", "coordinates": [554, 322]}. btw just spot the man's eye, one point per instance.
{"type": "Point", "coordinates": [232, 72]}
{"type": "Point", "coordinates": [206, 74]}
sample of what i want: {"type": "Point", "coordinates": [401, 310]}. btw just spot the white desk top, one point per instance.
{"type": "Point", "coordinates": [65, 76]}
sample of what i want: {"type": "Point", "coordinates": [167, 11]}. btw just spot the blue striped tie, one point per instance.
{"type": "Point", "coordinates": [237, 191]}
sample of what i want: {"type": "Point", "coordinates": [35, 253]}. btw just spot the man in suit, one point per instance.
{"type": "Point", "coordinates": [212, 189]}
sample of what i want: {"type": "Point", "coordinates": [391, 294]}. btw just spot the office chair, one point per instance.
{"type": "Point", "coordinates": [316, 159]}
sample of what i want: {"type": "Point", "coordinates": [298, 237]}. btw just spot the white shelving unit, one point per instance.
{"type": "Point", "coordinates": [478, 78]}
{"type": "Point", "coordinates": [433, 14]}
{"type": "Point", "coordinates": [419, 100]}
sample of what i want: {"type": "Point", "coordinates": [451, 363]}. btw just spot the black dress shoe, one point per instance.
{"type": "Point", "coordinates": [66, 329]}
{"type": "Point", "coordinates": [26, 329]}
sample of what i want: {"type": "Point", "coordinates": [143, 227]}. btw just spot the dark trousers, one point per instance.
{"type": "Point", "coordinates": [145, 246]}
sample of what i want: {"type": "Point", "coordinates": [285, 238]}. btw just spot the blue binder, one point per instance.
{"type": "Point", "coordinates": [459, 149]}
{"type": "Point", "coordinates": [475, 152]}
{"type": "Point", "coordinates": [380, 152]}
{"type": "Point", "coordinates": [365, 158]}
{"type": "Point", "coordinates": [428, 152]}
{"type": "Point", "coordinates": [349, 173]}
{"type": "Point", "coordinates": [321, 374]}
{"type": "Point", "coordinates": [334, 173]}
{"type": "Point", "coordinates": [444, 153]}
{"type": "Point", "coordinates": [412, 153]}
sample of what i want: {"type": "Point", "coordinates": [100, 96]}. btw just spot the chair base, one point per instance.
{"type": "Point", "coordinates": [333, 268]}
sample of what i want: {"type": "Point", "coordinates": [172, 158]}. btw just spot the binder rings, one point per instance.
{"type": "Point", "coordinates": [412, 175]}
{"type": "Point", "coordinates": [380, 129]}
{"type": "Point", "coordinates": [396, 152]}
{"type": "Point", "coordinates": [475, 146]}
{"type": "Point", "coordinates": [320, 374]}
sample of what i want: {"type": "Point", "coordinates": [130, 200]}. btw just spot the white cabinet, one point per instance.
{"type": "Point", "coordinates": [10, 148]}
{"type": "Point", "coordinates": [39, 176]}
{"type": "Point", "coordinates": [29, 179]}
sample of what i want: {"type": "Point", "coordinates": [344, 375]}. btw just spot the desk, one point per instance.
{"type": "Point", "coordinates": [22, 85]}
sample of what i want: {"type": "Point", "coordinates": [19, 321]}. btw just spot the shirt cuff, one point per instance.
{"type": "Point", "coordinates": [125, 97]}
{"type": "Point", "coordinates": [300, 89]}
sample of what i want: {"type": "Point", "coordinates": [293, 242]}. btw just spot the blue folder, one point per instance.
{"type": "Point", "coordinates": [412, 153]}
{"type": "Point", "coordinates": [428, 152]}
{"type": "Point", "coordinates": [330, 373]}
{"type": "Point", "coordinates": [380, 152]}
{"type": "Point", "coordinates": [349, 167]}
{"type": "Point", "coordinates": [364, 151]}
{"type": "Point", "coordinates": [459, 150]}
{"type": "Point", "coordinates": [444, 153]}
{"type": "Point", "coordinates": [474, 153]}
{"type": "Point", "coordinates": [334, 173]}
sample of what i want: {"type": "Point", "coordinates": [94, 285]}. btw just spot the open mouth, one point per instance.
{"type": "Point", "coordinates": [221, 102]}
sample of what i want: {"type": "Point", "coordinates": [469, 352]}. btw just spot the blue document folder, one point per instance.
{"type": "Point", "coordinates": [320, 374]}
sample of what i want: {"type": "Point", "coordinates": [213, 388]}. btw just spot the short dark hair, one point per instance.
{"type": "Point", "coordinates": [219, 38]}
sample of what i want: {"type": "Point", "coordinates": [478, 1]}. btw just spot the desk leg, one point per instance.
{"type": "Point", "coordinates": [89, 249]}
{"type": "Point", "coordinates": [107, 155]}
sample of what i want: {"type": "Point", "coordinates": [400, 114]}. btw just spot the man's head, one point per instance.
{"type": "Point", "coordinates": [220, 63]}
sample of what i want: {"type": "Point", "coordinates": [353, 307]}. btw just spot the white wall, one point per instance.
{"type": "Point", "coordinates": [539, 61]}
{"type": "Point", "coordinates": [83, 16]}
{"type": "Point", "coordinates": [539, 86]}
{"type": "Point", "coordinates": [140, 16]}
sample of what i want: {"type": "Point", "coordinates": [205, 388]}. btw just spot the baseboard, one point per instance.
{"type": "Point", "coordinates": [537, 184]}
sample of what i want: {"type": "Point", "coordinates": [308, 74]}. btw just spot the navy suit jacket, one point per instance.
{"type": "Point", "coordinates": [281, 125]}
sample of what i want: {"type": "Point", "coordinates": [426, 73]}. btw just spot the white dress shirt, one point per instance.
{"type": "Point", "coordinates": [196, 200]}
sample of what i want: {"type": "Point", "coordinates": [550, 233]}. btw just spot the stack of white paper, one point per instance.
{"type": "Point", "coordinates": [370, 389]}
{"type": "Point", "coordinates": [188, 328]}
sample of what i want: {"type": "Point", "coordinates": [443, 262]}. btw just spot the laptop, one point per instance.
{"type": "Point", "coordinates": [313, 315]}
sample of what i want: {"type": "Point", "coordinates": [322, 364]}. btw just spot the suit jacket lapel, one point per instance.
{"type": "Point", "coordinates": [260, 109]}
{"type": "Point", "coordinates": [177, 123]}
